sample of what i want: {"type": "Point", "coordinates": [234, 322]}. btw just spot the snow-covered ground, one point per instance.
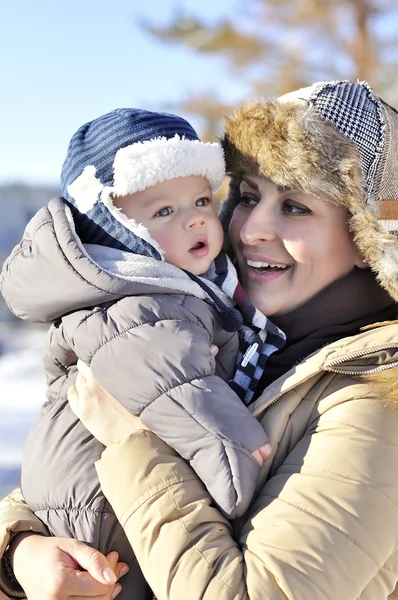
{"type": "Point", "coordinates": [22, 392]}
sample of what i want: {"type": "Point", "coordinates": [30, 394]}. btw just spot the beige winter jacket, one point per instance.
{"type": "Point", "coordinates": [324, 524]}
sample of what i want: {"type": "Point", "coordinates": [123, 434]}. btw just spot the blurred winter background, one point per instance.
{"type": "Point", "coordinates": [64, 63]}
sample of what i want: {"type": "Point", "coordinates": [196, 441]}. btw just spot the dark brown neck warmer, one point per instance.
{"type": "Point", "coordinates": [338, 311]}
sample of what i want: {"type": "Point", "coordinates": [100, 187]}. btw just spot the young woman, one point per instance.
{"type": "Point", "coordinates": [311, 217]}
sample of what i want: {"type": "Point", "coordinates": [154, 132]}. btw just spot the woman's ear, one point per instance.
{"type": "Point", "coordinates": [361, 262]}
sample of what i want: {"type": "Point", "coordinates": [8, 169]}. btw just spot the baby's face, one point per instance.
{"type": "Point", "coordinates": [180, 216]}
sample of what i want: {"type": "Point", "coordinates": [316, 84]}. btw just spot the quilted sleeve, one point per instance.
{"type": "Point", "coordinates": [17, 270]}
{"type": "Point", "coordinates": [15, 517]}
{"type": "Point", "coordinates": [161, 369]}
{"type": "Point", "coordinates": [323, 526]}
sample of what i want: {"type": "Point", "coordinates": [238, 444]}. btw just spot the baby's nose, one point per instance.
{"type": "Point", "coordinates": [194, 219]}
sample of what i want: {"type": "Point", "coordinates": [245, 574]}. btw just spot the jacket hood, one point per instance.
{"type": "Point", "coordinates": [50, 273]}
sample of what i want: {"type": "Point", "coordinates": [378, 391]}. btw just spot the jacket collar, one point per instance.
{"type": "Point", "coordinates": [368, 353]}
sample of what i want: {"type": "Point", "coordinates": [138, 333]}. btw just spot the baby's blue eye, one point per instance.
{"type": "Point", "coordinates": [164, 212]}
{"type": "Point", "coordinates": [202, 202]}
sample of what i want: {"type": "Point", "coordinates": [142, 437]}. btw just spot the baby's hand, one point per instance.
{"type": "Point", "coordinates": [214, 350]}
{"type": "Point", "coordinates": [262, 453]}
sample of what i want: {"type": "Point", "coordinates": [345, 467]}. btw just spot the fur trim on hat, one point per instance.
{"type": "Point", "coordinates": [148, 163]}
{"type": "Point", "coordinates": [289, 143]}
{"type": "Point", "coordinates": [85, 189]}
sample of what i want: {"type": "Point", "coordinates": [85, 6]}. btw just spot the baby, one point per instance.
{"type": "Point", "coordinates": [129, 271]}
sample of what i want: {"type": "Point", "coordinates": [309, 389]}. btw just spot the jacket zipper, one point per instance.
{"type": "Point", "coordinates": [260, 408]}
{"type": "Point", "coordinates": [341, 372]}
{"type": "Point", "coordinates": [360, 355]}
{"type": "Point", "coordinates": [368, 372]}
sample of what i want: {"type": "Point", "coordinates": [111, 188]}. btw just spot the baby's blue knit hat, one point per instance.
{"type": "Point", "coordinates": [126, 151]}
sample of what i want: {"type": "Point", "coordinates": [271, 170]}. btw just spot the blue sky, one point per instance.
{"type": "Point", "coordinates": [63, 63]}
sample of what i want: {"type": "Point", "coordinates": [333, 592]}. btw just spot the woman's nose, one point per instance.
{"type": "Point", "coordinates": [259, 227]}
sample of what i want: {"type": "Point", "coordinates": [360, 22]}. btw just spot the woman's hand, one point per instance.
{"type": "Point", "coordinates": [50, 568]}
{"type": "Point", "coordinates": [100, 412]}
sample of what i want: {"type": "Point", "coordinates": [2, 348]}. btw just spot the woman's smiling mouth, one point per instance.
{"type": "Point", "coordinates": [261, 266]}
{"type": "Point", "coordinates": [262, 271]}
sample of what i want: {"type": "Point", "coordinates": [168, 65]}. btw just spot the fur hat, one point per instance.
{"type": "Point", "coordinates": [337, 141]}
{"type": "Point", "coordinates": [126, 151]}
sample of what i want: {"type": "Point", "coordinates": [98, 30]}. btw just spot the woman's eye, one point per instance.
{"type": "Point", "coordinates": [295, 208]}
{"type": "Point", "coordinates": [248, 201]}
{"type": "Point", "coordinates": [163, 212]}
{"type": "Point", "coordinates": [202, 202]}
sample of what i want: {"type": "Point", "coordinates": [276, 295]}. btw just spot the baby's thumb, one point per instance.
{"type": "Point", "coordinates": [262, 454]}
{"type": "Point", "coordinates": [214, 350]}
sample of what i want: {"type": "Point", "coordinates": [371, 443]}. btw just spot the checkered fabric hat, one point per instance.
{"type": "Point", "coordinates": [337, 141]}
{"type": "Point", "coordinates": [126, 151]}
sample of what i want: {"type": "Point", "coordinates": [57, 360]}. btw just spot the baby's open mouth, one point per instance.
{"type": "Point", "coordinates": [198, 246]}
{"type": "Point", "coordinates": [200, 249]}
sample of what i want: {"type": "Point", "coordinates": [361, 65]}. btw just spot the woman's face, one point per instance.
{"type": "Point", "coordinates": [289, 245]}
